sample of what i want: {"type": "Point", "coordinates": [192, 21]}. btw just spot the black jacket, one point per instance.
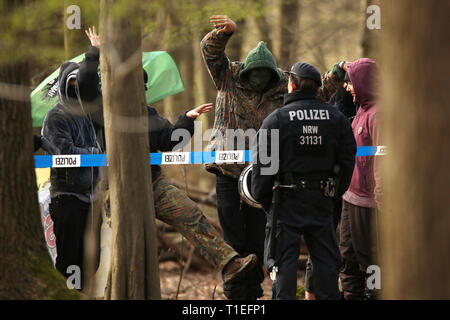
{"type": "Point", "coordinates": [313, 137]}
{"type": "Point", "coordinates": [160, 133]}
{"type": "Point", "coordinates": [343, 100]}
{"type": "Point", "coordinates": [68, 126]}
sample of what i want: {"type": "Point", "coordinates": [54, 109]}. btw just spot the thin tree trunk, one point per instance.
{"type": "Point", "coordinates": [75, 40]}
{"type": "Point", "coordinates": [169, 102]}
{"type": "Point", "coordinates": [201, 79]}
{"type": "Point", "coordinates": [370, 37]}
{"type": "Point", "coordinates": [264, 30]}
{"type": "Point", "coordinates": [289, 33]}
{"type": "Point", "coordinates": [134, 270]}
{"type": "Point", "coordinates": [415, 220]}
{"type": "Point", "coordinates": [187, 70]}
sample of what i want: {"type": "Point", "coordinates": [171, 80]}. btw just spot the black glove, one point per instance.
{"type": "Point", "coordinates": [338, 72]}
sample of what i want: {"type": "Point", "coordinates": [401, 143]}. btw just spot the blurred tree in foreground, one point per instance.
{"type": "Point", "coordinates": [134, 270]}
{"type": "Point", "coordinates": [415, 219]}
{"type": "Point", "coordinates": [26, 271]}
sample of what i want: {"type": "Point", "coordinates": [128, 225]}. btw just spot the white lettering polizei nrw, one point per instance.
{"type": "Point", "coordinates": [311, 114]}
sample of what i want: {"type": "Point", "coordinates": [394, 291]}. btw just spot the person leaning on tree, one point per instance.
{"type": "Point", "coordinates": [247, 93]}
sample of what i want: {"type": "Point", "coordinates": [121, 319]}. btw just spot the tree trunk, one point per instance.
{"type": "Point", "coordinates": [187, 64]}
{"type": "Point", "coordinates": [134, 272]}
{"type": "Point", "coordinates": [289, 25]}
{"type": "Point", "coordinates": [75, 40]}
{"type": "Point", "coordinates": [415, 220]}
{"type": "Point", "coordinates": [370, 37]}
{"type": "Point", "coordinates": [264, 30]}
{"type": "Point", "coordinates": [201, 79]}
{"type": "Point", "coordinates": [170, 26]}
{"type": "Point", "coordinates": [26, 271]}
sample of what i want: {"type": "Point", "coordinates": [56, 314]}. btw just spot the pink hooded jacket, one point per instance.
{"type": "Point", "coordinates": [364, 189]}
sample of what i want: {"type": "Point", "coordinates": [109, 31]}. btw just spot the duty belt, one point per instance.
{"type": "Point", "coordinates": [327, 186]}
{"type": "Point", "coordinates": [311, 184]}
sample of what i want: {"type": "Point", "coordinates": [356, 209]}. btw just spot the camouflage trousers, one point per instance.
{"type": "Point", "coordinates": [174, 207]}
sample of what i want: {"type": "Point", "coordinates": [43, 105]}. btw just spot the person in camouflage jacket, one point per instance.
{"type": "Point", "coordinates": [247, 93]}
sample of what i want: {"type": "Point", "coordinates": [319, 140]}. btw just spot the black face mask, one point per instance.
{"type": "Point", "coordinates": [259, 78]}
{"type": "Point", "coordinates": [71, 92]}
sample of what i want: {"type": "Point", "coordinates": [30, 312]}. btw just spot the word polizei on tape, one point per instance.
{"type": "Point", "coordinates": [66, 161]}
{"type": "Point", "coordinates": [167, 158]}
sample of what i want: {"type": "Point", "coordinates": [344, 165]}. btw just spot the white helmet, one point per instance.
{"type": "Point", "coordinates": [244, 187]}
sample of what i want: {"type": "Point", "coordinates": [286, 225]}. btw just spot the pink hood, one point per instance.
{"type": "Point", "coordinates": [362, 75]}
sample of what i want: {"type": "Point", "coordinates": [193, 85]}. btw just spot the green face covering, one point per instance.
{"type": "Point", "coordinates": [259, 78]}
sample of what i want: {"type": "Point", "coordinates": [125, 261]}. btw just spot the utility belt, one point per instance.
{"type": "Point", "coordinates": [327, 186]}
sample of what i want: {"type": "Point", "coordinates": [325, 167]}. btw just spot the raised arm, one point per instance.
{"type": "Point", "coordinates": [161, 130]}
{"type": "Point", "coordinates": [213, 48]}
{"type": "Point", "coordinates": [87, 77]}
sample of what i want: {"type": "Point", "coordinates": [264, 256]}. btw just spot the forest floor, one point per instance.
{"type": "Point", "coordinates": [197, 285]}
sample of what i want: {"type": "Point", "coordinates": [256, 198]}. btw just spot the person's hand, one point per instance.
{"type": "Point", "coordinates": [228, 25]}
{"type": "Point", "coordinates": [93, 36]}
{"type": "Point", "coordinates": [338, 72]}
{"type": "Point", "coordinates": [194, 113]}
{"type": "Point", "coordinates": [344, 65]}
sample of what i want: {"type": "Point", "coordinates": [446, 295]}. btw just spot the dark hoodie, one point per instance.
{"type": "Point", "coordinates": [364, 188]}
{"type": "Point", "coordinates": [238, 105]}
{"type": "Point", "coordinates": [69, 128]}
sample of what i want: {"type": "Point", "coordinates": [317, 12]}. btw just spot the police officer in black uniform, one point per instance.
{"type": "Point", "coordinates": [315, 143]}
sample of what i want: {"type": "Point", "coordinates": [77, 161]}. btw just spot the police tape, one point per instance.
{"type": "Point", "coordinates": [167, 158]}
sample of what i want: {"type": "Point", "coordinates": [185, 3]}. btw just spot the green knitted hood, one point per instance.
{"type": "Point", "coordinates": [260, 57]}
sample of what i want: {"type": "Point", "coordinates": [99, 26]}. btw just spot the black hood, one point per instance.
{"type": "Point", "coordinates": [66, 69]}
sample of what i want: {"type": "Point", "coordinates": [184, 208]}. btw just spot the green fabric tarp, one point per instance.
{"type": "Point", "coordinates": [164, 80]}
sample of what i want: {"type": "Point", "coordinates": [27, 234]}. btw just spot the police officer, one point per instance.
{"type": "Point", "coordinates": [314, 140]}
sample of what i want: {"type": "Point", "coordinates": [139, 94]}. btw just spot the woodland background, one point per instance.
{"type": "Point", "coordinates": [411, 50]}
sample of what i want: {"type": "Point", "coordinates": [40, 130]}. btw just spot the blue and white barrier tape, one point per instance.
{"type": "Point", "coordinates": [371, 151]}
{"type": "Point", "coordinates": [165, 158]}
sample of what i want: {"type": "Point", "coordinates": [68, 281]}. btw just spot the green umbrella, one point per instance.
{"type": "Point", "coordinates": [164, 80]}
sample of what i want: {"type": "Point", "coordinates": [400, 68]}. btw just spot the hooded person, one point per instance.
{"type": "Point", "coordinates": [247, 93]}
{"type": "Point", "coordinates": [360, 202]}
{"type": "Point", "coordinates": [69, 128]}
